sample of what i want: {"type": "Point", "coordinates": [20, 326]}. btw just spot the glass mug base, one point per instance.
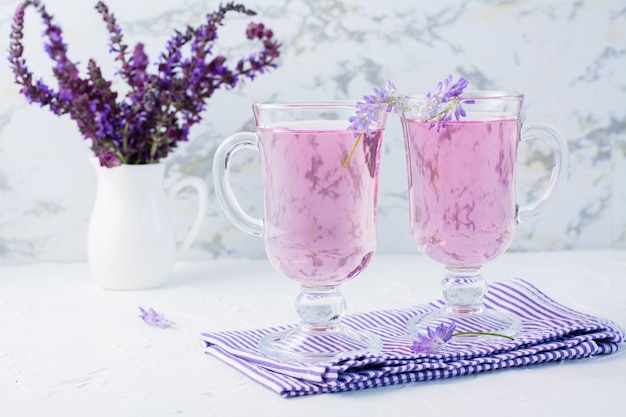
{"type": "Point", "coordinates": [489, 323]}
{"type": "Point", "coordinates": [464, 291]}
{"type": "Point", "coordinates": [303, 344]}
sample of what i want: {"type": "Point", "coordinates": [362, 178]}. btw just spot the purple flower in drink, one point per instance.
{"type": "Point", "coordinates": [367, 113]}
{"type": "Point", "coordinates": [368, 110]}
{"type": "Point", "coordinates": [438, 108]}
{"type": "Point", "coordinates": [159, 108]}
{"type": "Point", "coordinates": [154, 319]}
{"type": "Point", "coordinates": [434, 339]}
{"type": "Point", "coordinates": [445, 103]}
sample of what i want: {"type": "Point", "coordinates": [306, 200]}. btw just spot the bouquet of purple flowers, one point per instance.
{"type": "Point", "coordinates": [159, 108]}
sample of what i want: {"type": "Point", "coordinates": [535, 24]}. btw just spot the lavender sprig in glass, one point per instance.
{"type": "Point", "coordinates": [160, 108]}
{"type": "Point", "coordinates": [441, 106]}
{"type": "Point", "coordinates": [438, 108]}
{"type": "Point", "coordinates": [367, 112]}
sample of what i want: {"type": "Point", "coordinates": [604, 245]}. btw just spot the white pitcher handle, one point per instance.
{"type": "Point", "coordinates": [200, 186]}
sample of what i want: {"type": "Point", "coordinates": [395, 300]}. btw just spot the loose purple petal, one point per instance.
{"type": "Point", "coordinates": [154, 319]}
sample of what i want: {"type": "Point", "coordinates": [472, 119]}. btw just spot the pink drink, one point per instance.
{"type": "Point", "coordinates": [320, 218]}
{"type": "Point", "coordinates": [462, 189]}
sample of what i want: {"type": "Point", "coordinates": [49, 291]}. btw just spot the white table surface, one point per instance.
{"type": "Point", "coordinates": [69, 348]}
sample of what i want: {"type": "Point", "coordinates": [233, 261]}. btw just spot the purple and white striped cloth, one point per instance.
{"type": "Point", "coordinates": [550, 332]}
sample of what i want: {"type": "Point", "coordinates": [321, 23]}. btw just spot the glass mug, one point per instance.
{"type": "Point", "coordinates": [319, 224]}
{"type": "Point", "coordinates": [463, 210]}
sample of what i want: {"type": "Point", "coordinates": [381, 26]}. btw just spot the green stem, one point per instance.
{"type": "Point", "coordinates": [444, 111]}
{"type": "Point", "coordinates": [121, 157]}
{"type": "Point", "coordinates": [153, 150]}
{"type": "Point", "coordinates": [125, 138]}
{"type": "Point", "coordinates": [484, 334]}
{"type": "Point", "coordinates": [358, 139]}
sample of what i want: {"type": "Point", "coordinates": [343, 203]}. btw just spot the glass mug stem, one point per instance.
{"type": "Point", "coordinates": [547, 134]}
{"type": "Point", "coordinates": [320, 308]}
{"type": "Point", "coordinates": [463, 291]}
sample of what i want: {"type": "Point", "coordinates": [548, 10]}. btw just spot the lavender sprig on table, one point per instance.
{"type": "Point", "coordinates": [160, 108]}
{"type": "Point", "coordinates": [433, 340]}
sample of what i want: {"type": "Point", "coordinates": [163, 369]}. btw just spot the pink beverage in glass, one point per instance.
{"type": "Point", "coordinates": [462, 189]}
{"type": "Point", "coordinates": [320, 218]}
{"type": "Point", "coordinates": [319, 227]}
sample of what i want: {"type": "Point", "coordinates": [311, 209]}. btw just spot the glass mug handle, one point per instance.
{"type": "Point", "coordinates": [558, 177]}
{"type": "Point", "coordinates": [221, 181]}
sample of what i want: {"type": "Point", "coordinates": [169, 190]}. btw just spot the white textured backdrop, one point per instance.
{"type": "Point", "coordinates": [568, 57]}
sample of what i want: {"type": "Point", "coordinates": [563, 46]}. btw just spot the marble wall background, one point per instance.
{"type": "Point", "coordinates": [568, 57]}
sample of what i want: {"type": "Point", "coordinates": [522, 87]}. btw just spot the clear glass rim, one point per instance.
{"type": "Point", "coordinates": [481, 95]}
{"type": "Point", "coordinates": [305, 104]}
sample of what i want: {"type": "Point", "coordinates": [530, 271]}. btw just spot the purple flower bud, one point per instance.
{"type": "Point", "coordinates": [108, 159]}
{"type": "Point", "coordinates": [432, 342]}
{"type": "Point", "coordinates": [159, 109]}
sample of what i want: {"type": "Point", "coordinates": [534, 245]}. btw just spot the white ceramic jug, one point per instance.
{"type": "Point", "coordinates": [131, 243]}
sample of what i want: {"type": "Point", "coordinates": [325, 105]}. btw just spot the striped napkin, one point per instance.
{"type": "Point", "coordinates": [550, 332]}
